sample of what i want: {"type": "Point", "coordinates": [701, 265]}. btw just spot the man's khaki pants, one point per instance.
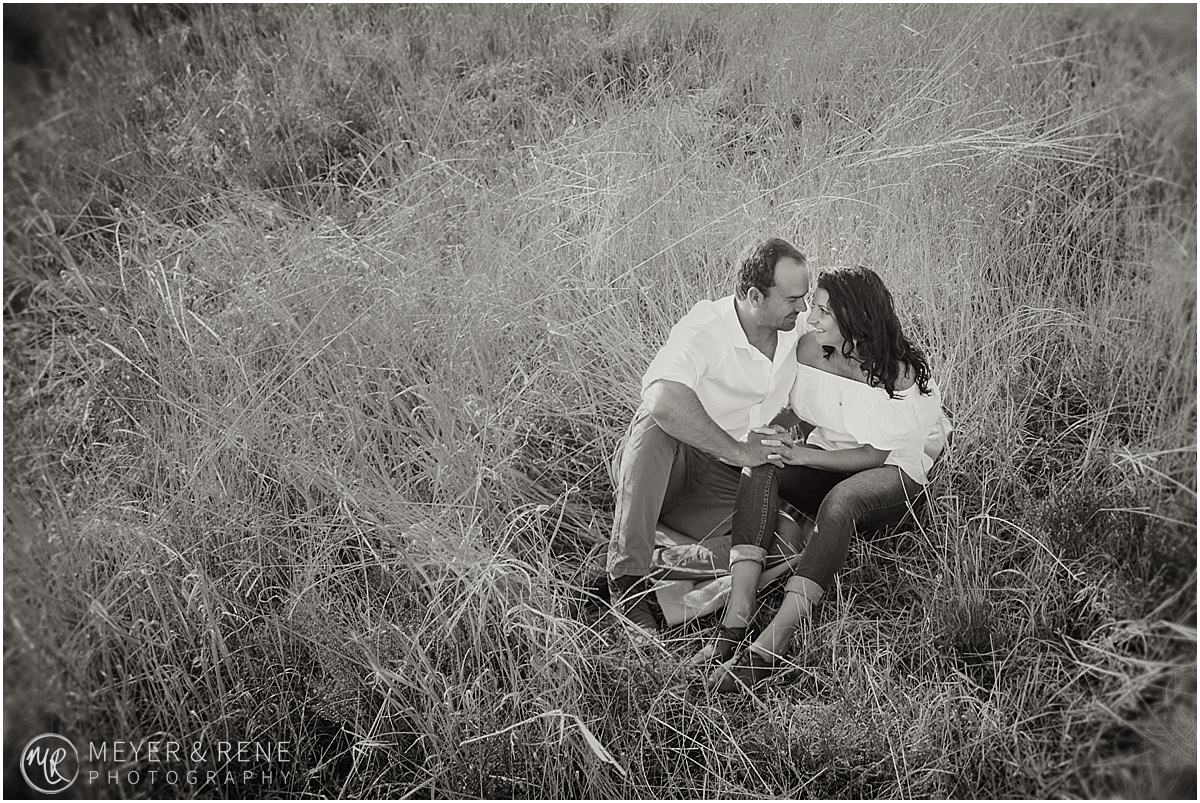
{"type": "Point", "coordinates": [659, 478]}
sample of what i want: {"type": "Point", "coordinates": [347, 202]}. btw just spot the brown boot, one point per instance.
{"type": "Point", "coordinates": [630, 595]}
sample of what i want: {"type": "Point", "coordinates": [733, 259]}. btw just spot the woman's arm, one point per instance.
{"type": "Point", "coordinates": [846, 460]}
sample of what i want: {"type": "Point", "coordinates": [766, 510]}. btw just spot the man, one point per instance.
{"type": "Point", "coordinates": [727, 367]}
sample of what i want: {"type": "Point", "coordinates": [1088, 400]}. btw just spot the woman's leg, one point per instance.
{"type": "Point", "coordinates": [859, 502]}
{"type": "Point", "coordinates": [798, 600]}
{"type": "Point", "coordinates": [862, 502]}
{"type": "Point", "coordinates": [755, 515]}
{"type": "Point", "coordinates": [757, 504]}
{"type": "Point", "coordinates": [753, 530]}
{"type": "Point", "coordinates": [755, 521]}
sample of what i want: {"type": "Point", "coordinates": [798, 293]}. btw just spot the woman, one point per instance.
{"type": "Point", "coordinates": [879, 426]}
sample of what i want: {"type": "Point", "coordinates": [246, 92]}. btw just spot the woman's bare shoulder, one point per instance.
{"type": "Point", "coordinates": [808, 350]}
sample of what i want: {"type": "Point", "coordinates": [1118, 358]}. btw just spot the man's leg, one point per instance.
{"type": "Point", "coordinates": [652, 473]}
{"type": "Point", "coordinates": [705, 511]}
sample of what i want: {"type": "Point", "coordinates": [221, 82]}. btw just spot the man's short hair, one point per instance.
{"type": "Point", "coordinates": [757, 268]}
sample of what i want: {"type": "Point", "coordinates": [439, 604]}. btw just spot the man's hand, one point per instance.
{"type": "Point", "coordinates": [678, 411]}
{"type": "Point", "coordinates": [787, 450]}
{"type": "Point", "coordinates": [762, 446]}
{"type": "Point", "coordinates": [750, 455]}
{"type": "Point", "coordinates": [783, 446]}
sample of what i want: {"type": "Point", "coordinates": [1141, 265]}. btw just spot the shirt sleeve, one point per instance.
{"type": "Point", "coordinates": [798, 399]}
{"type": "Point", "coordinates": [893, 424]}
{"type": "Point", "coordinates": [684, 358]}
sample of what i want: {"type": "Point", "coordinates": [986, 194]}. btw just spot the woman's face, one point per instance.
{"type": "Point", "coordinates": [821, 321]}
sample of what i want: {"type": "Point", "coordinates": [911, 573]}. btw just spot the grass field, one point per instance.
{"type": "Point", "coordinates": [322, 322]}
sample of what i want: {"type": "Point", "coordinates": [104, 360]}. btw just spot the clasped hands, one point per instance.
{"type": "Point", "coordinates": [777, 445]}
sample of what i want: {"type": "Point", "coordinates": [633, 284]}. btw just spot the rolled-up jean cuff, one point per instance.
{"type": "Point", "coordinates": [739, 552]}
{"type": "Point", "coordinates": [801, 585]}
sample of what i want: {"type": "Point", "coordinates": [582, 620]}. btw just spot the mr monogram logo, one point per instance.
{"type": "Point", "coordinates": [49, 763]}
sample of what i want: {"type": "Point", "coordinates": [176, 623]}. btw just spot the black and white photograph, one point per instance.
{"type": "Point", "coordinates": [590, 401]}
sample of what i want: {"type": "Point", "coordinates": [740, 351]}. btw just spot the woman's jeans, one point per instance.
{"type": "Point", "coordinates": [840, 504]}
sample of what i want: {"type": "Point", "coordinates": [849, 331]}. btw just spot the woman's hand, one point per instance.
{"type": "Point", "coordinates": [783, 447]}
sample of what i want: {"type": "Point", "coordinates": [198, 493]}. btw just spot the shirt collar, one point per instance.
{"type": "Point", "coordinates": [735, 334]}
{"type": "Point", "coordinates": [733, 331]}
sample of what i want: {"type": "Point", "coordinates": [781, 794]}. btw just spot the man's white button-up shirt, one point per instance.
{"type": "Point", "coordinates": [737, 385]}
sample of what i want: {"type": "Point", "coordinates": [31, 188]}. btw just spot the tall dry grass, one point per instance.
{"type": "Point", "coordinates": [322, 322]}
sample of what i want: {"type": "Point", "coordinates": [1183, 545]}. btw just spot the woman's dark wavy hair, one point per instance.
{"type": "Point", "coordinates": [863, 308]}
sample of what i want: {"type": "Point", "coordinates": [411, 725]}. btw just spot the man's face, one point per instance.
{"type": "Point", "coordinates": [786, 299]}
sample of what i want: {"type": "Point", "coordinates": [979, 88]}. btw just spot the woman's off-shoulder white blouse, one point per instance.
{"type": "Point", "coordinates": [846, 414]}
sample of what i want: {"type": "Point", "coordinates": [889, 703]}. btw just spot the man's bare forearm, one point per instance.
{"type": "Point", "coordinates": [678, 410]}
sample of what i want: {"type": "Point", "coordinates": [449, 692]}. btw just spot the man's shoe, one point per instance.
{"type": "Point", "coordinates": [630, 595]}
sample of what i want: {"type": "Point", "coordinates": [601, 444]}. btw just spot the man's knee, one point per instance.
{"type": "Point", "coordinates": [645, 427]}
{"type": "Point", "coordinates": [646, 440]}
{"type": "Point", "coordinates": [643, 436]}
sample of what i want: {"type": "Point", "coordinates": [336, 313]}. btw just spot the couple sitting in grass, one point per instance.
{"type": "Point", "coordinates": [716, 442]}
